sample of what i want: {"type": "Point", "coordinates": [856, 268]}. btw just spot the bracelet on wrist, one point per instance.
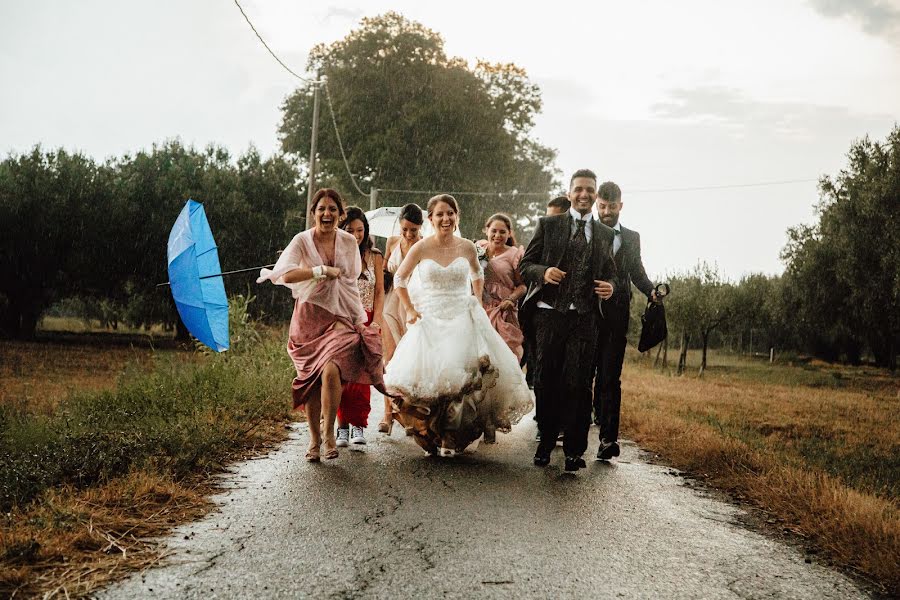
{"type": "Point", "coordinates": [318, 272]}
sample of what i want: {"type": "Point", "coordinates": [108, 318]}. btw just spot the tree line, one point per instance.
{"type": "Point", "coordinates": [839, 296]}
{"type": "Point", "coordinates": [411, 117]}
{"type": "Point", "coordinates": [93, 234]}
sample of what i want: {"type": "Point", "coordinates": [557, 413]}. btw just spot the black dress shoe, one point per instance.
{"type": "Point", "coordinates": [541, 457]}
{"type": "Point", "coordinates": [573, 463]}
{"type": "Point", "coordinates": [607, 450]}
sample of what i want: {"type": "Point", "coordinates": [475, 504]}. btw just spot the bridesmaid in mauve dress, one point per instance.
{"type": "Point", "coordinates": [503, 286]}
{"type": "Point", "coordinates": [394, 326]}
{"type": "Point", "coordinates": [329, 342]}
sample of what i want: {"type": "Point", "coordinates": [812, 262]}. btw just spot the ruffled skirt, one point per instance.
{"type": "Point", "coordinates": [454, 377]}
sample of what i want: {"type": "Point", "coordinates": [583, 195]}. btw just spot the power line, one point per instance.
{"type": "Point", "coordinates": [638, 191]}
{"type": "Point", "coordinates": [465, 193]}
{"type": "Point", "coordinates": [338, 136]}
{"type": "Point", "coordinates": [720, 187]}
{"type": "Point", "coordinates": [275, 56]}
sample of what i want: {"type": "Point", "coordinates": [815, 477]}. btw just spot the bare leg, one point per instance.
{"type": "Point", "coordinates": [331, 399]}
{"type": "Point", "coordinates": [388, 421]}
{"type": "Point", "coordinates": [313, 411]}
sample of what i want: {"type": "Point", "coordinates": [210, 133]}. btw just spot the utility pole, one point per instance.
{"type": "Point", "coordinates": [311, 184]}
{"type": "Point", "coordinates": [373, 199]}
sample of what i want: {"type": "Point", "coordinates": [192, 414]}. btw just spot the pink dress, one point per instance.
{"type": "Point", "coordinates": [501, 279]}
{"type": "Point", "coordinates": [326, 316]}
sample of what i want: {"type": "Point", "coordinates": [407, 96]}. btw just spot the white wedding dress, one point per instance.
{"type": "Point", "coordinates": [453, 373]}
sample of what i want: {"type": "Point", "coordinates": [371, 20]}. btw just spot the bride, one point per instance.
{"type": "Point", "coordinates": [454, 375]}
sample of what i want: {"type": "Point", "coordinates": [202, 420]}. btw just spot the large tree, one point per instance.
{"type": "Point", "coordinates": [412, 118]}
{"type": "Point", "coordinates": [843, 274]}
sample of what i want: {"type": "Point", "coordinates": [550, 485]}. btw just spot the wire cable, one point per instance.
{"type": "Point", "coordinates": [722, 187]}
{"type": "Point", "coordinates": [275, 56]}
{"type": "Point", "coordinates": [338, 136]}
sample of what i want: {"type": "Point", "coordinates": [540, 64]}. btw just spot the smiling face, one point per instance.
{"type": "Point", "coordinates": [443, 218]}
{"type": "Point", "coordinates": [582, 194]}
{"type": "Point", "coordinates": [497, 233]}
{"type": "Point", "coordinates": [326, 215]}
{"type": "Point", "coordinates": [358, 229]}
{"type": "Point", "coordinates": [409, 230]}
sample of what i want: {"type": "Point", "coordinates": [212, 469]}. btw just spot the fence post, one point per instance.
{"type": "Point", "coordinates": [772, 354]}
{"type": "Point", "coordinates": [373, 199]}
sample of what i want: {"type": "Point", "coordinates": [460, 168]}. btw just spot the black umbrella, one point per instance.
{"type": "Point", "coordinates": [653, 321]}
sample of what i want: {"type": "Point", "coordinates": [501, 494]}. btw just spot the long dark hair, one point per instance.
{"type": "Point", "coordinates": [412, 213]}
{"type": "Point", "coordinates": [356, 213]}
{"type": "Point", "coordinates": [511, 240]}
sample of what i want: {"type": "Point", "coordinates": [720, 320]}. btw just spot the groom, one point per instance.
{"type": "Point", "coordinates": [568, 265]}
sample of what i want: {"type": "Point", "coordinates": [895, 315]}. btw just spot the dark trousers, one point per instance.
{"type": "Point", "coordinates": [564, 357]}
{"type": "Point", "coordinates": [611, 341]}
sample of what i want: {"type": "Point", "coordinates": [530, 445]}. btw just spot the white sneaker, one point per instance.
{"type": "Point", "coordinates": [343, 437]}
{"type": "Point", "coordinates": [356, 435]}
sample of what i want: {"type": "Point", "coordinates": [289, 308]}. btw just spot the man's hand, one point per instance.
{"type": "Point", "coordinates": [654, 297]}
{"type": "Point", "coordinates": [553, 275]}
{"type": "Point", "coordinates": [604, 289]}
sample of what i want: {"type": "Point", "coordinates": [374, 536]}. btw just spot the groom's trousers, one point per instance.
{"type": "Point", "coordinates": [564, 360]}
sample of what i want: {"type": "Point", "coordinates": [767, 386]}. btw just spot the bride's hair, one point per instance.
{"type": "Point", "coordinates": [446, 199]}
{"type": "Point", "coordinates": [511, 240]}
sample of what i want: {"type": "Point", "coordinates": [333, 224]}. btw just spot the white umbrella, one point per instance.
{"type": "Point", "coordinates": [385, 222]}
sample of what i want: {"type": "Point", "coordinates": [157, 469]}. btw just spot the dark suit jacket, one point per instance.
{"type": "Point", "coordinates": [630, 268]}
{"type": "Point", "coordinates": [548, 246]}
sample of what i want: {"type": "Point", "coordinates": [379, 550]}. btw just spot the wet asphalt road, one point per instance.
{"type": "Point", "coordinates": [390, 522]}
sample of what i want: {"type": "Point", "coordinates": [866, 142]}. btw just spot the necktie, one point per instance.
{"type": "Point", "coordinates": [579, 230]}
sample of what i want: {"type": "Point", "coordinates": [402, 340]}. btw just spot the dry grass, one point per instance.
{"type": "Point", "coordinates": [36, 376]}
{"type": "Point", "coordinates": [822, 460]}
{"type": "Point", "coordinates": [72, 542]}
{"type": "Point", "coordinates": [74, 537]}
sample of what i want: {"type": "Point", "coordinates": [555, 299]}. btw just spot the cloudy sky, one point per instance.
{"type": "Point", "coordinates": [654, 95]}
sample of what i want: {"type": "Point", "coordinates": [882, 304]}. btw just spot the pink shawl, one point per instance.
{"type": "Point", "coordinates": [338, 296]}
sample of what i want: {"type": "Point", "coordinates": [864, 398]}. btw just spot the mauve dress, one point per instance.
{"type": "Point", "coordinates": [500, 280]}
{"type": "Point", "coordinates": [317, 337]}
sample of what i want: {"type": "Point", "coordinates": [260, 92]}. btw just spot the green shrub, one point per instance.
{"type": "Point", "coordinates": [186, 416]}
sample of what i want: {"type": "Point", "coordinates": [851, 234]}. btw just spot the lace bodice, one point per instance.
{"type": "Point", "coordinates": [366, 284]}
{"type": "Point", "coordinates": [444, 291]}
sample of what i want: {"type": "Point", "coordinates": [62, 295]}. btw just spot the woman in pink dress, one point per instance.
{"type": "Point", "coordinates": [329, 342]}
{"type": "Point", "coordinates": [353, 413]}
{"type": "Point", "coordinates": [503, 286]}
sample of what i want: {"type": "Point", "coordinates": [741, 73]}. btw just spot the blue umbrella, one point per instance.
{"type": "Point", "coordinates": [193, 268]}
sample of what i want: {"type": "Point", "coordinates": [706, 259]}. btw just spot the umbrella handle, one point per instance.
{"type": "Point", "coordinates": [226, 273]}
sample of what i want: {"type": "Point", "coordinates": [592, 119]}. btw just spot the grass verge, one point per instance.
{"type": "Point", "coordinates": [82, 487]}
{"type": "Point", "coordinates": [824, 463]}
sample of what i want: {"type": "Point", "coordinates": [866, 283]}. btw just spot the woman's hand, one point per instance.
{"type": "Point", "coordinates": [412, 315]}
{"type": "Point", "coordinates": [332, 272]}
{"type": "Point", "coordinates": [506, 305]}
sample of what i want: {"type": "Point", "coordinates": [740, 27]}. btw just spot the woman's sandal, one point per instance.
{"type": "Point", "coordinates": [312, 454]}
{"type": "Point", "coordinates": [332, 452]}
{"type": "Point", "coordinates": [385, 427]}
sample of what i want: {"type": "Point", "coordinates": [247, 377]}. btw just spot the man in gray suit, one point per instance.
{"type": "Point", "coordinates": [613, 323]}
